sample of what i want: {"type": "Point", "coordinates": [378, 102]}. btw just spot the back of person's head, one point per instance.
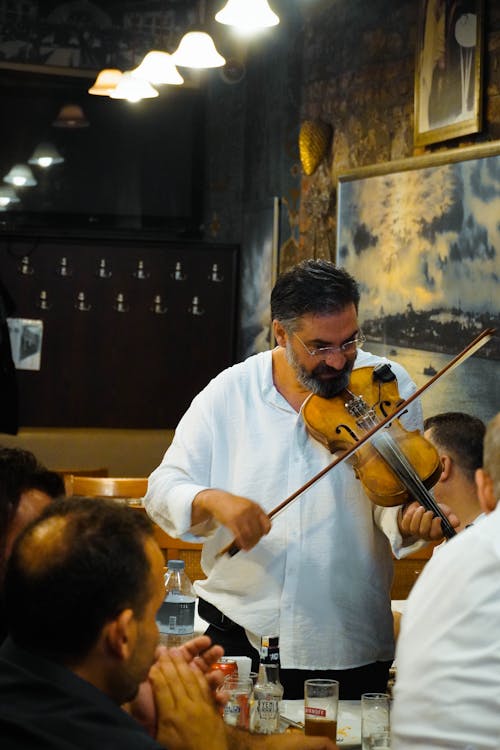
{"type": "Point", "coordinates": [491, 455]}
{"type": "Point", "coordinates": [461, 436]}
{"type": "Point", "coordinates": [73, 570]}
{"type": "Point", "coordinates": [317, 287]}
{"type": "Point", "coordinates": [21, 471]}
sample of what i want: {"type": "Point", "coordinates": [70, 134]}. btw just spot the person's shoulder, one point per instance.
{"type": "Point", "coordinates": [254, 366]}
{"type": "Point", "coordinates": [237, 378]}
{"type": "Point", "coordinates": [461, 550]}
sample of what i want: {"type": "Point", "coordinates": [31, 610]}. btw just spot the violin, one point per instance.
{"type": "Point", "coordinates": [396, 465]}
{"type": "Point", "coordinates": [415, 474]}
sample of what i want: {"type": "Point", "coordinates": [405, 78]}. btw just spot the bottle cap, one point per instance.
{"type": "Point", "coordinates": [175, 565]}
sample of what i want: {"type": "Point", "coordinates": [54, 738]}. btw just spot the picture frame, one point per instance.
{"type": "Point", "coordinates": [78, 39]}
{"type": "Point", "coordinates": [448, 70]}
{"type": "Point", "coordinates": [421, 236]}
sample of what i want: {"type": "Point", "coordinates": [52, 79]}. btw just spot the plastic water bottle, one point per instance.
{"type": "Point", "coordinates": [175, 618]}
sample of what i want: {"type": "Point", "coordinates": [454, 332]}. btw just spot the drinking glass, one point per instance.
{"type": "Point", "coordinates": [237, 709]}
{"type": "Point", "coordinates": [375, 717]}
{"type": "Point", "coordinates": [321, 702]}
{"type": "Point", "coordinates": [380, 741]}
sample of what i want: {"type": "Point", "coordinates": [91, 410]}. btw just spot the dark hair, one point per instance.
{"type": "Point", "coordinates": [20, 471]}
{"type": "Point", "coordinates": [462, 436]}
{"type": "Point", "coordinates": [88, 566]}
{"type": "Point", "coordinates": [312, 286]}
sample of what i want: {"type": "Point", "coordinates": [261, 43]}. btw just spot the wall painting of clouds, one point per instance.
{"type": "Point", "coordinates": [422, 237]}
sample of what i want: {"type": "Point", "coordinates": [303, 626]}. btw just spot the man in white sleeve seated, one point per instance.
{"type": "Point", "coordinates": [447, 692]}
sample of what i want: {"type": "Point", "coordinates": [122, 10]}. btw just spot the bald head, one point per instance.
{"type": "Point", "coordinates": [26, 488]}
{"type": "Point", "coordinates": [71, 571]}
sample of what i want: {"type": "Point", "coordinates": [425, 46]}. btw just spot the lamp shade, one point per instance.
{"type": "Point", "coordinates": [197, 50]}
{"type": "Point", "coordinates": [106, 82]}
{"type": "Point", "coordinates": [247, 15]}
{"type": "Point", "coordinates": [133, 89]}
{"type": "Point", "coordinates": [20, 175]}
{"type": "Point", "coordinates": [157, 68]}
{"type": "Point", "coordinates": [71, 116]}
{"type": "Point", "coordinates": [45, 155]}
{"type": "Point", "coordinates": [7, 196]}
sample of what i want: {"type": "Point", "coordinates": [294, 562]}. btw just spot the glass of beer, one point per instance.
{"type": "Point", "coordinates": [321, 703]}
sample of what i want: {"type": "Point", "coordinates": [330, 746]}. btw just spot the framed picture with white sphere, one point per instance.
{"type": "Point", "coordinates": [448, 70]}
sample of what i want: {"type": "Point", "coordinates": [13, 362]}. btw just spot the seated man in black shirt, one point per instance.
{"type": "Point", "coordinates": [82, 588]}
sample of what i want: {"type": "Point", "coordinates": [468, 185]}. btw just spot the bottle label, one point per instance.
{"type": "Point", "coordinates": [269, 649]}
{"type": "Point", "coordinates": [176, 616]}
{"type": "Point", "coordinates": [266, 717]}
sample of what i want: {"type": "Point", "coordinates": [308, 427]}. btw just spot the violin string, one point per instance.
{"type": "Point", "coordinates": [392, 450]}
{"type": "Point", "coordinates": [385, 444]}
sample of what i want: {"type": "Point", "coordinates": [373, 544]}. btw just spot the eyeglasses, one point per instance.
{"type": "Point", "coordinates": [348, 347]}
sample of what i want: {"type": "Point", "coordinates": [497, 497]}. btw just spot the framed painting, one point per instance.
{"type": "Point", "coordinates": [448, 68]}
{"type": "Point", "coordinates": [79, 38]}
{"type": "Point", "coordinates": [259, 270]}
{"type": "Point", "coordinates": [422, 238]}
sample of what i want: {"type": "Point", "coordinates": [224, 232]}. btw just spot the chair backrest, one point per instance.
{"type": "Point", "coordinates": [134, 487]}
{"type": "Point", "coordinates": [178, 549]}
{"type": "Point", "coordinates": [67, 475]}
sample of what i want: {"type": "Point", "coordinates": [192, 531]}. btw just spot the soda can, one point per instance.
{"type": "Point", "coordinates": [227, 666]}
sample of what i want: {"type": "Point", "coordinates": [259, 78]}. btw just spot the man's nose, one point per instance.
{"type": "Point", "coordinates": [336, 357]}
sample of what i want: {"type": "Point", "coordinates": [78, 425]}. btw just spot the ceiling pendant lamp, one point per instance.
{"type": "Point", "coordinates": [45, 155]}
{"type": "Point", "coordinates": [7, 196]}
{"type": "Point", "coordinates": [197, 49]}
{"type": "Point", "coordinates": [247, 15]}
{"type": "Point", "coordinates": [71, 116]}
{"type": "Point", "coordinates": [20, 175]}
{"type": "Point", "coordinates": [157, 68]}
{"type": "Point", "coordinates": [133, 89]}
{"type": "Point", "coordinates": [106, 82]}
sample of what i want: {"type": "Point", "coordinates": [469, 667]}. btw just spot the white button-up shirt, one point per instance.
{"type": "Point", "coordinates": [321, 578]}
{"type": "Point", "coordinates": [447, 690]}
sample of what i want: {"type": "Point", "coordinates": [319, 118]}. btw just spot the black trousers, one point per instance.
{"type": "Point", "coordinates": [370, 678]}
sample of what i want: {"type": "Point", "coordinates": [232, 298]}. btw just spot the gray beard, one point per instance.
{"type": "Point", "coordinates": [323, 388]}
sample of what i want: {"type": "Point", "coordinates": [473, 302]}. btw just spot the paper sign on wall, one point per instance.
{"type": "Point", "coordinates": [26, 342]}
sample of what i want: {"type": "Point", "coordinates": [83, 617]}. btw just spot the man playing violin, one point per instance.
{"type": "Point", "coordinates": [320, 574]}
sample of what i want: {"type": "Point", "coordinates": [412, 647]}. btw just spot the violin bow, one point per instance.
{"type": "Point", "coordinates": [485, 336]}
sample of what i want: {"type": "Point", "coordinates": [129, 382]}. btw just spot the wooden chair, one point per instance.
{"type": "Point", "coordinates": [178, 549]}
{"type": "Point", "coordinates": [407, 570]}
{"type": "Point", "coordinates": [135, 488]}
{"type": "Point", "coordinates": [67, 475]}
{"type": "Point", "coordinates": [93, 486]}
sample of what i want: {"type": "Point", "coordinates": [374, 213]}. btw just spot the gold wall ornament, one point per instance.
{"type": "Point", "coordinates": [314, 140]}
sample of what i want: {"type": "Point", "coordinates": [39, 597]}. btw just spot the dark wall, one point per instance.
{"type": "Point", "coordinates": [156, 323]}
{"type": "Point", "coordinates": [134, 165]}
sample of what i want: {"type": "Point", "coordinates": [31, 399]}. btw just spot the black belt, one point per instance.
{"type": "Point", "coordinates": [214, 616]}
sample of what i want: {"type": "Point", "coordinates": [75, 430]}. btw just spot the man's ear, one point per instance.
{"type": "Point", "coordinates": [121, 633]}
{"type": "Point", "coordinates": [485, 491]}
{"type": "Point", "coordinates": [279, 333]}
{"type": "Point", "coordinates": [447, 465]}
